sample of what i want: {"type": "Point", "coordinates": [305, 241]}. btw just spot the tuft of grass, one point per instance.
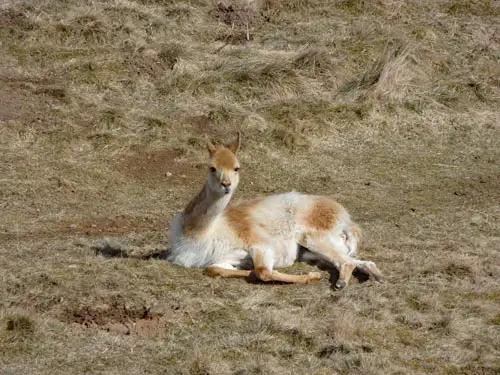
{"type": "Point", "coordinates": [496, 320]}
{"type": "Point", "coordinates": [289, 6]}
{"type": "Point", "coordinates": [353, 7]}
{"type": "Point", "coordinates": [458, 270]}
{"type": "Point", "coordinates": [199, 367]}
{"type": "Point", "coordinates": [20, 325]}
{"type": "Point", "coordinates": [417, 304]}
{"type": "Point", "coordinates": [56, 92]}
{"type": "Point", "coordinates": [486, 8]}
{"type": "Point", "coordinates": [17, 333]}
{"type": "Point", "coordinates": [170, 54]}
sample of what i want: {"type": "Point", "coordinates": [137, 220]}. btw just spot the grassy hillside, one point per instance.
{"type": "Point", "coordinates": [391, 107]}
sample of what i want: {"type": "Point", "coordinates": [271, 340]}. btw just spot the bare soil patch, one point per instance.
{"type": "Point", "coordinates": [122, 319]}
{"type": "Point", "coordinates": [17, 102]}
{"type": "Point", "coordinates": [120, 225]}
{"type": "Point", "coordinates": [152, 166]}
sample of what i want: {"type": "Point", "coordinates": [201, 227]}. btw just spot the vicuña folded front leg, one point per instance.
{"type": "Point", "coordinates": [263, 265]}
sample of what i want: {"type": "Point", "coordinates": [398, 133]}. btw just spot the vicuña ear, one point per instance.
{"type": "Point", "coordinates": [235, 146]}
{"type": "Point", "coordinates": [210, 146]}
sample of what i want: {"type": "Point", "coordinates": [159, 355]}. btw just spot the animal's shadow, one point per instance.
{"type": "Point", "coordinates": [323, 265]}
{"type": "Point", "coordinates": [108, 250]}
{"type": "Point", "coordinates": [334, 272]}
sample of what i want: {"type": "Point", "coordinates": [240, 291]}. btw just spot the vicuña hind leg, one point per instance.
{"type": "Point", "coordinates": [370, 268]}
{"type": "Point", "coordinates": [226, 270]}
{"type": "Point", "coordinates": [324, 247]}
{"type": "Point", "coordinates": [263, 265]}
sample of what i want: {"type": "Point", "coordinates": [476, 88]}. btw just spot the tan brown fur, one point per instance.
{"type": "Point", "coordinates": [323, 214]}
{"type": "Point", "coordinates": [195, 201]}
{"type": "Point", "coordinates": [224, 158]}
{"type": "Point", "coordinates": [192, 223]}
{"type": "Point", "coordinates": [238, 218]}
{"type": "Point", "coordinates": [259, 265]}
{"type": "Point", "coordinates": [346, 270]}
{"type": "Point", "coordinates": [265, 274]}
{"type": "Point", "coordinates": [215, 271]}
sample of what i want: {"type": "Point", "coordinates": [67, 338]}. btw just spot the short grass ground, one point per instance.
{"type": "Point", "coordinates": [391, 107]}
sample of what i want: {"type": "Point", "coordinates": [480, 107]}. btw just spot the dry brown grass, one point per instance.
{"type": "Point", "coordinates": [392, 107]}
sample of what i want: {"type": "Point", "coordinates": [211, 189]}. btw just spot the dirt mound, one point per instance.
{"type": "Point", "coordinates": [103, 314]}
{"type": "Point", "coordinates": [124, 319]}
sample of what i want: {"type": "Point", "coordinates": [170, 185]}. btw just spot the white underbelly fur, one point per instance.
{"type": "Point", "coordinates": [285, 253]}
{"type": "Point", "coordinates": [193, 253]}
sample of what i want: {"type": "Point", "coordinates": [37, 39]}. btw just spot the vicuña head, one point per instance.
{"type": "Point", "coordinates": [223, 176]}
{"type": "Point", "coordinates": [262, 234]}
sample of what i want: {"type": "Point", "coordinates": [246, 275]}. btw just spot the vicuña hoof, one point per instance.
{"type": "Point", "coordinates": [339, 285]}
{"type": "Point", "coordinates": [313, 277]}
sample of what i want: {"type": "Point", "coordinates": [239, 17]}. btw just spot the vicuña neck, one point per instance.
{"type": "Point", "coordinates": [203, 210]}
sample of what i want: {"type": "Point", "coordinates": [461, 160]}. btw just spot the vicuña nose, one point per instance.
{"type": "Point", "coordinates": [226, 183]}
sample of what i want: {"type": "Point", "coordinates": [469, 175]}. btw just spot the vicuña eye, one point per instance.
{"type": "Point", "coordinates": [236, 169]}
{"type": "Point", "coordinates": [213, 169]}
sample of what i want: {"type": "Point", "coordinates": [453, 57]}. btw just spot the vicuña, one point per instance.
{"type": "Point", "coordinates": [260, 235]}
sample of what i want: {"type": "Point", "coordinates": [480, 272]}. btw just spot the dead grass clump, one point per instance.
{"type": "Point", "coordinates": [16, 22]}
{"type": "Point", "coordinates": [278, 336]}
{"type": "Point", "coordinates": [459, 271]}
{"type": "Point", "coordinates": [153, 63]}
{"type": "Point", "coordinates": [345, 328]}
{"type": "Point", "coordinates": [451, 271]}
{"type": "Point", "coordinates": [293, 136]}
{"type": "Point", "coordinates": [391, 79]}
{"type": "Point", "coordinates": [170, 53]}
{"type": "Point", "coordinates": [417, 303]}
{"type": "Point", "coordinates": [233, 16]}
{"type": "Point", "coordinates": [442, 326]}
{"type": "Point", "coordinates": [411, 320]}
{"type": "Point", "coordinates": [496, 320]}
{"type": "Point", "coordinates": [242, 79]}
{"type": "Point", "coordinates": [296, 336]}
{"type": "Point", "coordinates": [123, 14]}
{"type": "Point", "coordinates": [480, 8]}
{"type": "Point", "coordinates": [233, 36]}
{"type": "Point", "coordinates": [353, 7]}
{"type": "Point", "coordinates": [313, 62]}
{"type": "Point", "coordinates": [199, 366]}
{"type": "Point", "coordinates": [178, 12]}
{"type": "Point", "coordinates": [57, 92]}
{"type": "Point", "coordinates": [16, 333]}
{"type": "Point", "coordinates": [299, 119]}
{"type": "Point", "coordinates": [290, 6]}
{"type": "Point", "coordinates": [20, 324]}
{"type": "Point", "coordinates": [258, 71]}
{"type": "Point", "coordinates": [455, 91]}
{"type": "Point", "coordinates": [178, 83]}
{"type": "Point", "coordinates": [470, 369]}
{"type": "Point", "coordinates": [241, 18]}
{"type": "Point", "coordinates": [84, 29]}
